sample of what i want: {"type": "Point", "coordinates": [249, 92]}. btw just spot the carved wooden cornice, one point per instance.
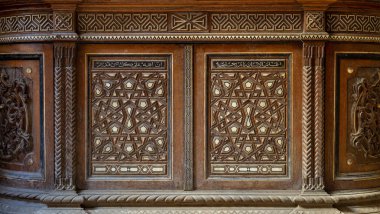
{"type": "Point", "coordinates": [187, 26]}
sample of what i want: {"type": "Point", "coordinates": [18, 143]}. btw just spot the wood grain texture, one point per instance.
{"type": "Point", "coordinates": [305, 135]}
{"type": "Point", "coordinates": [346, 167]}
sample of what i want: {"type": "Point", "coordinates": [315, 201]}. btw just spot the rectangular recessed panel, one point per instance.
{"type": "Point", "coordinates": [363, 101]}
{"type": "Point", "coordinates": [129, 115]}
{"type": "Point", "coordinates": [247, 115]}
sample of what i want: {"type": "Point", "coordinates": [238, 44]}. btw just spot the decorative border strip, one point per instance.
{"type": "Point", "coordinates": [189, 37]}
{"type": "Point", "coordinates": [355, 38]}
{"type": "Point", "coordinates": [189, 22]}
{"type": "Point", "coordinates": [48, 37]}
{"type": "Point", "coordinates": [208, 198]}
{"type": "Point", "coordinates": [353, 23]}
{"type": "Point", "coordinates": [40, 22]}
{"type": "Point", "coordinates": [188, 26]}
{"type": "Point", "coordinates": [192, 37]}
{"type": "Point", "coordinates": [191, 210]}
{"type": "Point", "coordinates": [188, 78]}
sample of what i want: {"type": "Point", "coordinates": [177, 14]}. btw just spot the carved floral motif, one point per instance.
{"type": "Point", "coordinates": [365, 115]}
{"type": "Point", "coordinates": [15, 140]}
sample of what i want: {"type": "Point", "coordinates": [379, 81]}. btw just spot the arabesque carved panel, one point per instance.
{"type": "Point", "coordinates": [129, 115]}
{"type": "Point", "coordinates": [248, 113]}
{"type": "Point", "coordinates": [364, 115]}
{"type": "Point", "coordinates": [15, 127]}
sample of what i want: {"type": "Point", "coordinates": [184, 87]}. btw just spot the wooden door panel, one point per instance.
{"type": "Point", "coordinates": [25, 128]}
{"type": "Point", "coordinates": [133, 94]}
{"type": "Point", "coordinates": [245, 111]}
{"type": "Point", "coordinates": [353, 119]}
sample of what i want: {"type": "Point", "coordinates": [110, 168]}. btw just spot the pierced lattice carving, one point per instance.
{"type": "Point", "coordinates": [129, 116]}
{"type": "Point", "coordinates": [247, 125]}
{"type": "Point", "coordinates": [16, 140]}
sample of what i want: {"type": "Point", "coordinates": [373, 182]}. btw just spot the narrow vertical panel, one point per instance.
{"type": "Point", "coordinates": [313, 116]}
{"type": "Point", "coordinates": [65, 115]}
{"type": "Point", "coordinates": [188, 118]}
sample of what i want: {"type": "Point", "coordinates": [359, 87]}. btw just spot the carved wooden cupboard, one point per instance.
{"type": "Point", "coordinates": [189, 106]}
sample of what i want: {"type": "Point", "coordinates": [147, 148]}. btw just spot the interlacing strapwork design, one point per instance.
{"type": "Point", "coordinates": [129, 122]}
{"type": "Point", "coordinates": [348, 23]}
{"type": "Point", "coordinates": [63, 21]}
{"type": "Point", "coordinates": [123, 22]}
{"type": "Point", "coordinates": [248, 111]}
{"type": "Point", "coordinates": [15, 137]}
{"type": "Point", "coordinates": [256, 22]}
{"type": "Point", "coordinates": [189, 22]}
{"type": "Point", "coordinates": [26, 23]}
{"type": "Point", "coordinates": [314, 21]}
{"type": "Point", "coordinates": [364, 108]}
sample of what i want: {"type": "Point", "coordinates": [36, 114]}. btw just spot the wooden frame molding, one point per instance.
{"type": "Point", "coordinates": [206, 26]}
{"type": "Point", "coordinates": [188, 122]}
{"type": "Point", "coordinates": [65, 115]}
{"type": "Point", "coordinates": [313, 116]}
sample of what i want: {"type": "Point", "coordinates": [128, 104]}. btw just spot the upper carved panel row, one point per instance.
{"type": "Point", "coordinates": [190, 22]}
{"type": "Point", "coordinates": [36, 22]}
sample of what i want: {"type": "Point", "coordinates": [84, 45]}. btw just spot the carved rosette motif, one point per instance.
{"type": "Point", "coordinates": [64, 115]}
{"type": "Point", "coordinates": [313, 116]}
{"type": "Point", "coordinates": [130, 114]}
{"type": "Point", "coordinates": [364, 116]}
{"type": "Point", "coordinates": [16, 140]}
{"type": "Point", "coordinates": [248, 102]}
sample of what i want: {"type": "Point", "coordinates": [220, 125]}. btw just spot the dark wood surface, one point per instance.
{"type": "Point", "coordinates": [346, 166]}
{"type": "Point", "coordinates": [39, 173]}
{"type": "Point", "coordinates": [193, 102]}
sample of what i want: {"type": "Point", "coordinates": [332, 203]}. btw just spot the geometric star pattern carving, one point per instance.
{"type": "Point", "coordinates": [129, 119]}
{"type": "Point", "coordinates": [248, 121]}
